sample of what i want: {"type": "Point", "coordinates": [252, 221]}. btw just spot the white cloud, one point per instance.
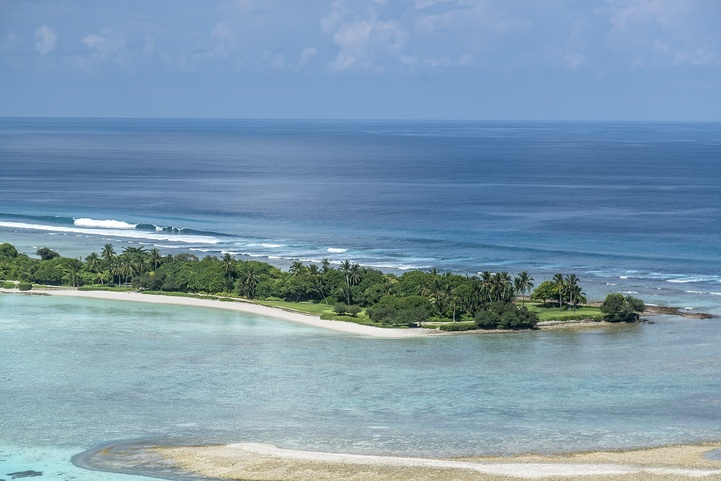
{"type": "Point", "coordinates": [663, 32]}
{"type": "Point", "coordinates": [107, 46]}
{"type": "Point", "coordinates": [306, 55]}
{"type": "Point", "coordinates": [93, 41]}
{"type": "Point", "coordinates": [47, 40]}
{"type": "Point", "coordinates": [362, 42]}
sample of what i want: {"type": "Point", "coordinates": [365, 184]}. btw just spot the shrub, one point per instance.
{"type": "Point", "coordinates": [8, 285]}
{"type": "Point", "coordinates": [459, 326]}
{"type": "Point", "coordinates": [24, 286]}
{"type": "Point", "coordinates": [354, 310]}
{"type": "Point", "coordinates": [47, 254]}
{"type": "Point", "coordinates": [505, 316]}
{"type": "Point", "coordinates": [340, 308]}
{"type": "Point", "coordinates": [617, 308]}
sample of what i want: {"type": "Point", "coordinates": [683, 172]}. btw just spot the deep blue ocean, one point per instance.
{"type": "Point", "coordinates": [629, 207]}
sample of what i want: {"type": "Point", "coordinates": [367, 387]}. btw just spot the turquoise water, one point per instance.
{"type": "Point", "coordinates": [77, 374]}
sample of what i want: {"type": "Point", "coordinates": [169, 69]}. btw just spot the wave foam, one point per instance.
{"type": "Point", "coordinates": [102, 224]}
{"type": "Point", "coordinates": [335, 250]}
{"type": "Point", "coordinates": [125, 233]}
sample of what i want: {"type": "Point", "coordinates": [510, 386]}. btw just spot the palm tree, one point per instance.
{"type": "Point", "coordinates": [316, 276]}
{"type": "Point", "coordinates": [155, 258]}
{"type": "Point", "coordinates": [487, 284]}
{"type": "Point", "coordinates": [108, 253]}
{"type": "Point", "coordinates": [325, 266]}
{"type": "Point", "coordinates": [573, 288]}
{"type": "Point", "coordinates": [296, 268]}
{"type": "Point", "coordinates": [560, 284]}
{"type": "Point", "coordinates": [93, 263]}
{"type": "Point", "coordinates": [522, 283]}
{"type": "Point", "coordinates": [501, 286]}
{"type": "Point", "coordinates": [72, 272]}
{"type": "Point", "coordinates": [352, 276]}
{"type": "Point", "coordinates": [228, 267]}
{"type": "Point", "coordinates": [355, 277]}
{"type": "Point", "coordinates": [250, 282]}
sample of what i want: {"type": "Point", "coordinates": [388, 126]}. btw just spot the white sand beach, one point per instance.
{"type": "Point", "coordinates": [252, 461]}
{"type": "Point", "coordinates": [240, 306]}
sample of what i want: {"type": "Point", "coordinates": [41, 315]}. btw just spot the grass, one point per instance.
{"type": "Point", "coordinates": [556, 314]}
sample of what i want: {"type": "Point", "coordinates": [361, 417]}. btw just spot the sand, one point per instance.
{"type": "Point", "coordinates": [263, 462]}
{"type": "Point", "coordinates": [240, 306]}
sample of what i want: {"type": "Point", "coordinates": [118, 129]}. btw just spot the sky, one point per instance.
{"type": "Point", "coordinates": [362, 59]}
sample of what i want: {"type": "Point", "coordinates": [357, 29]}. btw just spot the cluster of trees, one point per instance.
{"type": "Point", "coordinates": [564, 289]}
{"type": "Point", "coordinates": [410, 299]}
{"type": "Point", "coordinates": [617, 308]}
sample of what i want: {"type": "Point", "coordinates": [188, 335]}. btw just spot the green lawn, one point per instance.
{"type": "Point", "coordinates": [307, 307]}
{"type": "Point", "coordinates": [320, 309]}
{"type": "Point", "coordinates": [556, 314]}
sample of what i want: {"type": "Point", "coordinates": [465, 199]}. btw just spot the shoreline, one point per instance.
{"type": "Point", "coordinates": [238, 306]}
{"type": "Point", "coordinates": [298, 317]}
{"type": "Point", "coordinates": [266, 462]}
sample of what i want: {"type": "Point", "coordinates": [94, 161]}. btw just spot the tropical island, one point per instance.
{"type": "Point", "coordinates": [350, 292]}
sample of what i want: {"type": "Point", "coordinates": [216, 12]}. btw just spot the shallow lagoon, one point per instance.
{"type": "Point", "coordinates": [78, 373]}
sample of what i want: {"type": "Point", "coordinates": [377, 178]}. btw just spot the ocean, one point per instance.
{"type": "Point", "coordinates": [628, 207]}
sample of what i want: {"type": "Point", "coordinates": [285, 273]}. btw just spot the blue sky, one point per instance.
{"type": "Point", "coordinates": [404, 59]}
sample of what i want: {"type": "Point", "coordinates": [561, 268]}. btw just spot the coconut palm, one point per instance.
{"type": "Point", "coordinates": [250, 283]}
{"type": "Point", "coordinates": [487, 284]}
{"type": "Point", "coordinates": [93, 264]}
{"type": "Point", "coordinates": [560, 284]}
{"type": "Point", "coordinates": [352, 276]}
{"type": "Point", "coordinates": [155, 258]}
{"type": "Point", "coordinates": [573, 289]}
{"type": "Point", "coordinates": [108, 253]}
{"type": "Point", "coordinates": [297, 268]}
{"type": "Point", "coordinates": [522, 283]}
{"type": "Point", "coordinates": [228, 267]}
{"type": "Point", "coordinates": [325, 266]}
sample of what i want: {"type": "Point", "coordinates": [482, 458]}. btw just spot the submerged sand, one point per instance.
{"type": "Point", "coordinates": [239, 306]}
{"type": "Point", "coordinates": [263, 462]}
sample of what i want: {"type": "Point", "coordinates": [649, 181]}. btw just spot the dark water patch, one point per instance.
{"type": "Point", "coordinates": [135, 458]}
{"type": "Point", "coordinates": [25, 474]}
{"type": "Point", "coordinates": [713, 455]}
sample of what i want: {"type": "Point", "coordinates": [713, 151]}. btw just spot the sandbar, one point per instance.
{"type": "Point", "coordinates": [264, 462]}
{"type": "Point", "coordinates": [240, 306]}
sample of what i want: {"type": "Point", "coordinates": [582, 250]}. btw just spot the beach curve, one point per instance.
{"type": "Point", "coordinates": [238, 306]}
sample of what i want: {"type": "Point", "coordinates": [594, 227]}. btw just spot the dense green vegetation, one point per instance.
{"type": "Point", "coordinates": [348, 292]}
{"type": "Point", "coordinates": [617, 308]}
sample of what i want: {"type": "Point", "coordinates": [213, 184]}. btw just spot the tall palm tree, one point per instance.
{"type": "Point", "coordinates": [93, 263]}
{"type": "Point", "coordinates": [317, 279]}
{"type": "Point", "coordinates": [522, 283]}
{"type": "Point", "coordinates": [487, 284]}
{"type": "Point", "coordinates": [297, 268]}
{"type": "Point", "coordinates": [228, 267]}
{"type": "Point", "coordinates": [108, 253]}
{"type": "Point", "coordinates": [250, 283]}
{"type": "Point", "coordinates": [560, 284]}
{"type": "Point", "coordinates": [352, 276]}
{"type": "Point", "coordinates": [155, 258]}
{"type": "Point", "coordinates": [572, 286]}
{"type": "Point", "coordinates": [325, 266]}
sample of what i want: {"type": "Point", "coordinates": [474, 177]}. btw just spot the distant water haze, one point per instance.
{"type": "Point", "coordinates": [630, 207]}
